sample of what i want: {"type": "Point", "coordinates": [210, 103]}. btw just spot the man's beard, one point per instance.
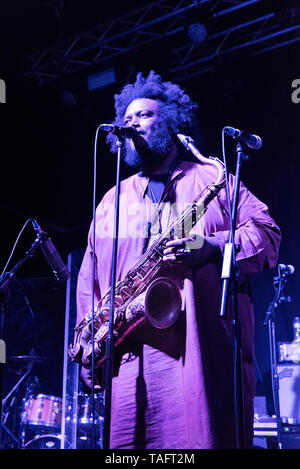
{"type": "Point", "coordinates": [150, 154]}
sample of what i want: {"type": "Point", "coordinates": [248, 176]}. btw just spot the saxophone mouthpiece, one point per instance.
{"type": "Point", "coordinates": [189, 144]}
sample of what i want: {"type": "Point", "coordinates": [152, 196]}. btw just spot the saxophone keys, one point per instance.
{"type": "Point", "coordinates": [118, 301]}
{"type": "Point", "coordinates": [104, 312]}
{"type": "Point", "coordinates": [87, 354]}
{"type": "Point", "coordinates": [89, 350]}
{"type": "Point", "coordinates": [75, 352]}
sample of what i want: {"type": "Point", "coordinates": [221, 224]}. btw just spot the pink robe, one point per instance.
{"type": "Point", "coordinates": [173, 388]}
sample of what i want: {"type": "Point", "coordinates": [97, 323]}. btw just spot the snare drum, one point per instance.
{"type": "Point", "coordinates": [42, 410]}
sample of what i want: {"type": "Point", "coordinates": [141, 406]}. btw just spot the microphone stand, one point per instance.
{"type": "Point", "coordinates": [278, 284]}
{"type": "Point", "coordinates": [4, 282]}
{"type": "Point", "coordinates": [109, 350]}
{"type": "Point", "coordinates": [230, 276]}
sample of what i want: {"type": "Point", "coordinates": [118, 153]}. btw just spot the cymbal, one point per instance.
{"type": "Point", "coordinates": [29, 358]}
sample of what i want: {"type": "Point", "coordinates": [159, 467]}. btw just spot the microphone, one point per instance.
{"type": "Point", "coordinates": [286, 269]}
{"type": "Point", "coordinates": [252, 141]}
{"type": "Point", "coordinates": [56, 263]}
{"type": "Point", "coordinates": [127, 132]}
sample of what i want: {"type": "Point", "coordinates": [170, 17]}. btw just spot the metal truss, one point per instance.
{"type": "Point", "coordinates": [259, 35]}
{"type": "Point", "coordinates": [156, 22]}
{"type": "Point", "coordinates": [224, 7]}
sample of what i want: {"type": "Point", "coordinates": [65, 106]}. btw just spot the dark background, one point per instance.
{"type": "Point", "coordinates": [47, 137]}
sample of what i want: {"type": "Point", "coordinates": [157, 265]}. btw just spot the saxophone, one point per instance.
{"type": "Point", "coordinates": [141, 295]}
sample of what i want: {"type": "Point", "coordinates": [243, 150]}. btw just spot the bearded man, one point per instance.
{"type": "Point", "coordinates": [173, 388]}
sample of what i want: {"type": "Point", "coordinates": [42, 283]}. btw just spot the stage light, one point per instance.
{"type": "Point", "coordinates": [197, 32]}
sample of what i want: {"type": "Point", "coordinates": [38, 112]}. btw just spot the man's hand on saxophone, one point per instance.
{"type": "Point", "coordinates": [192, 251]}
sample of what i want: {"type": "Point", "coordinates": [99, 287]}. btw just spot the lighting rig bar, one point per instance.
{"type": "Point", "coordinates": [119, 36]}
{"type": "Point", "coordinates": [259, 35]}
{"type": "Point", "coordinates": [158, 20]}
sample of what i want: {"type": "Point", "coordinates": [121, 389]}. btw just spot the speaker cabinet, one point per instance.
{"type": "Point", "coordinates": [289, 392]}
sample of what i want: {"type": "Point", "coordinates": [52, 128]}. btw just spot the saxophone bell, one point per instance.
{"type": "Point", "coordinates": [160, 303]}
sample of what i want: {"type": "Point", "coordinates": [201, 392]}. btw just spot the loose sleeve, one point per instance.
{"type": "Point", "coordinates": [257, 234]}
{"type": "Point", "coordinates": [84, 282]}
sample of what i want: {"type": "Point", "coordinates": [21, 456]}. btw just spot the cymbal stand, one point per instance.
{"type": "Point", "coordinates": [8, 396]}
{"type": "Point", "coordinates": [278, 284]}
{"type": "Point", "coordinates": [4, 282]}
{"type": "Point", "coordinates": [11, 392]}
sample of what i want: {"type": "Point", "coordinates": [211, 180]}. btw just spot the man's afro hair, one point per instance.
{"type": "Point", "coordinates": [177, 108]}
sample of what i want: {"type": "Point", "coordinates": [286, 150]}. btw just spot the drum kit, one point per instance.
{"type": "Point", "coordinates": [32, 420]}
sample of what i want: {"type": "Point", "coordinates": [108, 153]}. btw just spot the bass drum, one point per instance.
{"type": "Point", "coordinates": [44, 442]}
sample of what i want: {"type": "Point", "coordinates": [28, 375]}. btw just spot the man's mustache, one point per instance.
{"type": "Point", "coordinates": [140, 143]}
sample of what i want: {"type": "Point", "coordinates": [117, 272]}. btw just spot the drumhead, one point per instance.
{"type": "Point", "coordinates": [44, 442]}
{"type": "Point", "coordinates": [48, 397]}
